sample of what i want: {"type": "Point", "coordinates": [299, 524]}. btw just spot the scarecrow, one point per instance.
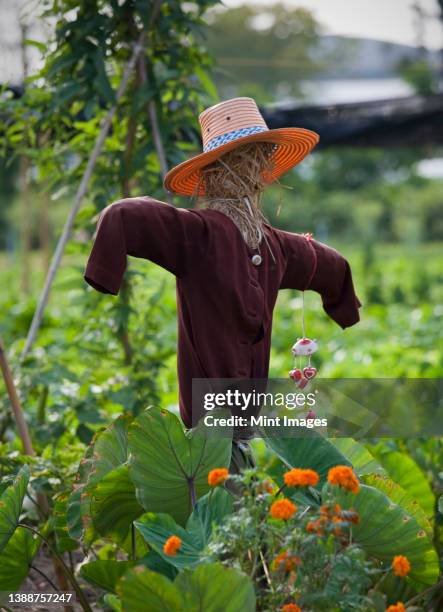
{"type": "Point", "coordinates": [229, 262]}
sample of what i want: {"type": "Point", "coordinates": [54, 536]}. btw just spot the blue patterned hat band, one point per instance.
{"type": "Point", "coordinates": [217, 141]}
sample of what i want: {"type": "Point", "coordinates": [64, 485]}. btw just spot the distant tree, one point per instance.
{"type": "Point", "coordinates": [262, 53]}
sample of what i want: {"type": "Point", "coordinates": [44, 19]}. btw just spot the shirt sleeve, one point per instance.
{"type": "Point", "coordinates": [146, 228]}
{"type": "Point", "coordinates": [313, 265]}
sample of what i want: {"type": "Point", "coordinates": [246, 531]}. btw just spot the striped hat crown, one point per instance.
{"type": "Point", "coordinates": [230, 120]}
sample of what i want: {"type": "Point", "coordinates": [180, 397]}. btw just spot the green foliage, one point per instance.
{"type": "Point", "coordinates": [105, 573]}
{"type": "Point", "coordinates": [169, 467]}
{"type": "Point", "coordinates": [386, 529]}
{"type": "Point", "coordinates": [209, 511]}
{"type": "Point", "coordinates": [11, 501]}
{"type": "Point", "coordinates": [16, 559]}
{"type": "Point", "coordinates": [212, 588]}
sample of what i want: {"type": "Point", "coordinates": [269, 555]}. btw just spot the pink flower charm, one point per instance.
{"type": "Point", "coordinates": [304, 347]}
{"type": "Point", "coordinates": [296, 374]}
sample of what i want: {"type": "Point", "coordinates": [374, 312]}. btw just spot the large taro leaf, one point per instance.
{"type": "Point", "coordinates": [141, 589]}
{"type": "Point", "coordinates": [359, 456]}
{"type": "Point", "coordinates": [107, 452]}
{"type": "Point", "coordinates": [11, 502]}
{"type": "Point", "coordinates": [114, 504]}
{"type": "Point", "coordinates": [59, 522]}
{"type": "Point", "coordinates": [16, 557]}
{"type": "Point", "coordinates": [105, 573]}
{"type": "Point", "coordinates": [398, 495]}
{"type": "Point", "coordinates": [210, 587]}
{"type": "Point", "coordinates": [386, 529]}
{"type": "Point", "coordinates": [215, 588]}
{"type": "Point", "coordinates": [310, 451]}
{"type": "Point", "coordinates": [210, 510]}
{"type": "Point", "coordinates": [169, 467]}
{"type": "Point", "coordinates": [404, 471]}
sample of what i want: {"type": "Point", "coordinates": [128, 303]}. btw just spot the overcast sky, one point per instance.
{"type": "Point", "coordinates": [391, 20]}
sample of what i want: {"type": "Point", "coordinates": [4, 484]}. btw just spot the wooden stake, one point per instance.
{"type": "Point", "coordinates": [17, 410]}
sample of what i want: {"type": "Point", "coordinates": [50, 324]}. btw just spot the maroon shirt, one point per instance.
{"type": "Point", "coordinates": [224, 301]}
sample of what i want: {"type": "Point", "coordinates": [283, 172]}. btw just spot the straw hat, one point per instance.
{"type": "Point", "coordinates": [233, 123]}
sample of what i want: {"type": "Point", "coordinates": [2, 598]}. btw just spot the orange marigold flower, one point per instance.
{"type": "Point", "coordinates": [283, 509]}
{"type": "Point", "coordinates": [398, 607]}
{"type": "Point", "coordinates": [344, 477]}
{"type": "Point", "coordinates": [301, 478]}
{"type": "Point", "coordinates": [217, 476]}
{"type": "Point", "coordinates": [311, 527]}
{"type": "Point", "coordinates": [288, 562]}
{"type": "Point", "coordinates": [291, 607]}
{"type": "Point", "coordinates": [401, 566]}
{"type": "Point", "coordinates": [172, 545]}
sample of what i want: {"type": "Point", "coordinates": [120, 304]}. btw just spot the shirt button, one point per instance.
{"type": "Point", "coordinates": [256, 260]}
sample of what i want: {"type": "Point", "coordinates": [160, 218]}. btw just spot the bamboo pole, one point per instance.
{"type": "Point", "coordinates": [81, 191]}
{"type": "Point", "coordinates": [17, 410]}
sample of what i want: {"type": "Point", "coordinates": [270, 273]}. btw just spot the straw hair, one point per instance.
{"type": "Point", "coordinates": [237, 175]}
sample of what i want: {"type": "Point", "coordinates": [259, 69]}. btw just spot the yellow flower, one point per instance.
{"type": "Point", "coordinates": [217, 476]}
{"type": "Point", "coordinates": [283, 509]}
{"type": "Point", "coordinates": [291, 608]}
{"type": "Point", "coordinates": [398, 607]}
{"type": "Point", "coordinates": [301, 478]}
{"type": "Point", "coordinates": [172, 545]}
{"type": "Point", "coordinates": [401, 566]}
{"type": "Point", "coordinates": [344, 477]}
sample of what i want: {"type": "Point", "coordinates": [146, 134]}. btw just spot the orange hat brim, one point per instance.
{"type": "Point", "coordinates": [294, 145]}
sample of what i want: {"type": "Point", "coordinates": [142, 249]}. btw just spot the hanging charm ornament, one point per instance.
{"type": "Point", "coordinates": [303, 348]}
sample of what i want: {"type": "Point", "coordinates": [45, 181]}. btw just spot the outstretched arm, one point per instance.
{"type": "Point", "coordinates": [142, 227]}
{"type": "Point", "coordinates": [313, 265]}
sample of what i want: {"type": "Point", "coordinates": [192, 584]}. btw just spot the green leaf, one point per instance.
{"type": "Point", "coordinates": [141, 589]}
{"type": "Point", "coordinates": [405, 472]}
{"type": "Point", "coordinates": [114, 504]}
{"type": "Point", "coordinates": [359, 456]}
{"type": "Point", "coordinates": [215, 588]}
{"type": "Point", "coordinates": [16, 557]}
{"type": "Point", "coordinates": [312, 451]}
{"type": "Point", "coordinates": [210, 587]}
{"type": "Point", "coordinates": [386, 530]}
{"type": "Point", "coordinates": [107, 452]}
{"type": "Point", "coordinates": [398, 495]}
{"type": "Point", "coordinates": [157, 528]}
{"type": "Point", "coordinates": [110, 448]}
{"type": "Point", "coordinates": [105, 573]}
{"type": "Point", "coordinates": [11, 502]}
{"type": "Point", "coordinates": [156, 563]}
{"type": "Point", "coordinates": [112, 602]}
{"type": "Point", "coordinates": [60, 526]}
{"type": "Point", "coordinates": [168, 466]}
{"type": "Point", "coordinates": [207, 83]}
{"type": "Point", "coordinates": [210, 510]}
